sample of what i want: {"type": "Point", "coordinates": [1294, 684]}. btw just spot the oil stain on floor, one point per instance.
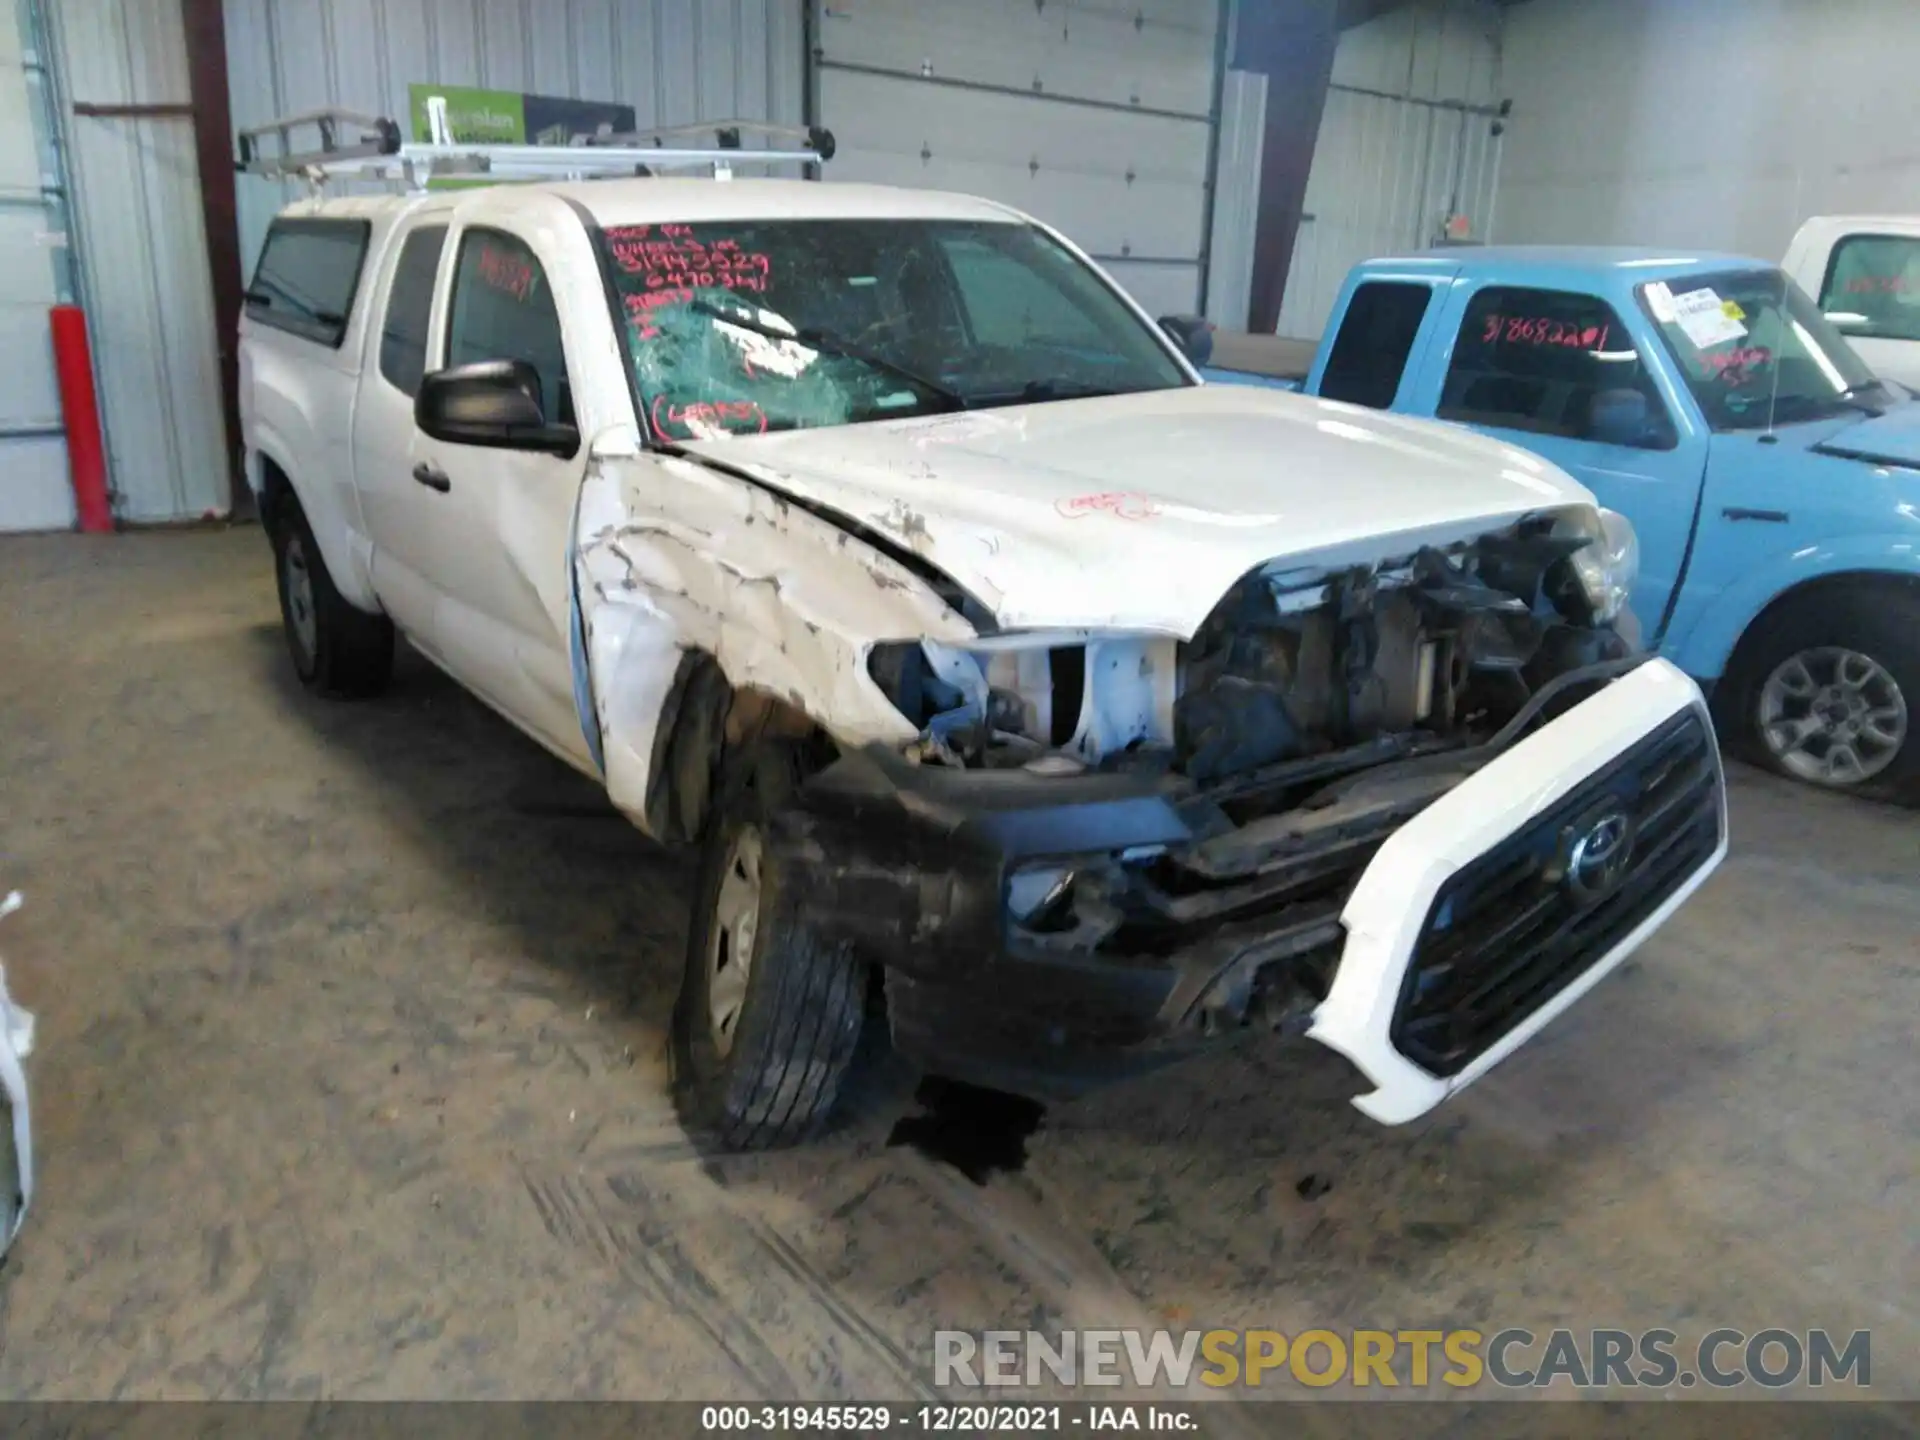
{"type": "Point", "coordinates": [975, 1130]}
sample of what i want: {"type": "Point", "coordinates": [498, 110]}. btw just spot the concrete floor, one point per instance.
{"type": "Point", "coordinates": [351, 1082]}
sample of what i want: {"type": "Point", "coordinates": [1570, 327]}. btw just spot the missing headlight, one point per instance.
{"type": "Point", "coordinates": [901, 669]}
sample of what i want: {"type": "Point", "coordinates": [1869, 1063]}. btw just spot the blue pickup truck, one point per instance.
{"type": "Point", "coordinates": [1773, 481]}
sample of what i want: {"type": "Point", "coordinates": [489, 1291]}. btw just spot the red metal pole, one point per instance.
{"type": "Point", "coordinates": [86, 453]}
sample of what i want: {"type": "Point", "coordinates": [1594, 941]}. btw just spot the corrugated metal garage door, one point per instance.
{"type": "Point", "coordinates": [1093, 117]}
{"type": "Point", "coordinates": [34, 493]}
{"type": "Point", "coordinates": [136, 190]}
{"type": "Point", "coordinates": [1407, 139]}
{"type": "Point", "coordinates": [674, 61]}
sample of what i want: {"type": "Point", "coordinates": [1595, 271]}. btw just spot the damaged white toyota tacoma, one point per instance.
{"type": "Point", "coordinates": [1024, 694]}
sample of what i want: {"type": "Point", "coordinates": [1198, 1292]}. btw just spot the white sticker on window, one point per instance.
{"type": "Point", "coordinates": [1660, 301]}
{"type": "Point", "coordinates": [1702, 314]}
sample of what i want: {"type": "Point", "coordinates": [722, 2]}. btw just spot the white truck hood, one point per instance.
{"type": "Point", "coordinates": [1138, 512]}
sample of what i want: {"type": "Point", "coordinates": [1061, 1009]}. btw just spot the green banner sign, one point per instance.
{"type": "Point", "coordinates": [476, 117]}
{"type": "Point", "coordinates": [508, 117]}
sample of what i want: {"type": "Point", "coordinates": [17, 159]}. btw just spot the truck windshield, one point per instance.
{"type": "Point", "coordinates": [1756, 351]}
{"type": "Point", "coordinates": [740, 327]}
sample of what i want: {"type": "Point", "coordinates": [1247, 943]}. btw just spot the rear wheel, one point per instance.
{"type": "Point", "coordinates": [770, 1013]}
{"type": "Point", "coordinates": [1827, 691]}
{"type": "Point", "coordinates": [337, 650]}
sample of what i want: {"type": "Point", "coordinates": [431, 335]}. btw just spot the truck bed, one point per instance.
{"type": "Point", "coordinates": [1270, 360]}
{"type": "Point", "coordinates": [1273, 356]}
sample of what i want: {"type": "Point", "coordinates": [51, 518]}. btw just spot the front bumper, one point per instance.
{"type": "Point", "coordinates": [1420, 925]}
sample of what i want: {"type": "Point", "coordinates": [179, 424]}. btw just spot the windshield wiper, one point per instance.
{"type": "Point", "coordinates": [1851, 396]}
{"type": "Point", "coordinates": [833, 345]}
{"type": "Point", "coordinates": [1039, 392]}
{"type": "Point", "coordinates": [1061, 389]}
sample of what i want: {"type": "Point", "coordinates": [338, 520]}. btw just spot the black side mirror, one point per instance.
{"type": "Point", "coordinates": [495, 403]}
{"type": "Point", "coordinates": [1192, 334]}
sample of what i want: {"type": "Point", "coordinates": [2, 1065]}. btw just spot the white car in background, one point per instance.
{"type": "Point", "coordinates": [1865, 272]}
{"type": "Point", "coordinates": [1011, 680]}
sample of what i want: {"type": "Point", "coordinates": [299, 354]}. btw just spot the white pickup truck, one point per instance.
{"type": "Point", "coordinates": [1018, 686]}
{"type": "Point", "coordinates": [1865, 272]}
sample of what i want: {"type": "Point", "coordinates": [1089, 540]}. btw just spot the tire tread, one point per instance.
{"type": "Point", "coordinates": [354, 655]}
{"type": "Point", "coordinates": [806, 998]}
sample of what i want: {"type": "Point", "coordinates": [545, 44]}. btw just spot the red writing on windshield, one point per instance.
{"type": "Point", "coordinates": [1542, 330]}
{"type": "Point", "coordinates": [1120, 504]}
{"type": "Point", "coordinates": [504, 270]}
{"type": "Point", "coordinates": [670, 258]}
{"type": "Point", "coordinates": [1877, 285]}
{"type": "Point", "coordinates": [698, 419]}
{"type": "Point", "coordinates": [1732, 367]}
{"type": "Point", "coordinates": [640, 308]}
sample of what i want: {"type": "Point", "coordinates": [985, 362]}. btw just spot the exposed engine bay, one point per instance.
{"type": "Point", "coordinates": [1290, 664]}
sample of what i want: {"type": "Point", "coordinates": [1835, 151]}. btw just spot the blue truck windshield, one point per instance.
{"type": "Point", "coordinates": [739, 327]}
{"type": "Point", "coordinates": [1755, 350]}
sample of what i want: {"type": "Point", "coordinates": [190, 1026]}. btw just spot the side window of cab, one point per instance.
{"type": "Point", "coordinates": [1374, 341]}
{"type": "Point", "coordinates": [502, 308]}
{"type": "Point", "coordinates": [1553, 362]}
{"type": "Point", "coordinates": [403, 331]}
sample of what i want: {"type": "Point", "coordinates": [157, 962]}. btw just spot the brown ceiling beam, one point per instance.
{"type": "Point", "coordinates": [1291, 42]}
{"type": "Point", "coordinates": [206, 33]}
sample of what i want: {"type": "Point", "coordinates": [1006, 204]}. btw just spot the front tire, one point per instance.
{"type": "Point", "coordinates": [769, 1014]}
{"type": "Point", "coordinates": [1828, 692]}
{"type": "Point", "coordinates": [337, 651]}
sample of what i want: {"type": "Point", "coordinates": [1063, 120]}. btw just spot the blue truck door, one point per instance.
{"type": "Point", "coordinates": [1560, 372]}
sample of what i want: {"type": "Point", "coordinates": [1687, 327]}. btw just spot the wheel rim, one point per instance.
{"type": "Point", "coordinates": [300, 611]}
{"type": "Point", "coordinates": [736, 923]}
{"type": "Point", "coordinates": [1833, 716]}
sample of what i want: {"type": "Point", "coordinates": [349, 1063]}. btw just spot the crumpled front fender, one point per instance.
{"type": "Point", "coordinates": [670, 559]}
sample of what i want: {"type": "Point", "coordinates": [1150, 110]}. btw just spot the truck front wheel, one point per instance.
{"type": "Point", "coordinates": [770, 1012]}
{"type": "Point", "coordinates": [1829, 687]}
{"type": "Point", "coordinates": [337, 650]}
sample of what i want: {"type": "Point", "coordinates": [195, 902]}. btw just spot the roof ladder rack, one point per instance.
{"type": "Point", "coordinates": [358, 147]}
{"type": "Point", "coordinates": [815, 143]}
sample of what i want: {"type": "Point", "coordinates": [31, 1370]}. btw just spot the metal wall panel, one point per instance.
{"type": "Point", "coordinates": [149, 295]}
{"type": "Point", "coordinates": [1236, 198]}
{"type": "Point", "coordinates": [1404, 143]}
{"type": "Point", "coordinates": [1094, 117]}
{"type": "Point", "coordinates": [674, 61]}
{"type": "Point", "coordinates": [1709, 124]}
{"type": "Point", "coordinates": [34, 491]}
